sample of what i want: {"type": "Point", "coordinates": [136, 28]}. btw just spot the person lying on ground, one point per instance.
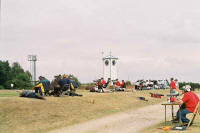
{"type": "Point", "coordinates": [29, 94]}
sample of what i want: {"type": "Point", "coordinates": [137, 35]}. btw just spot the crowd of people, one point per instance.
{"type": "Point", "coordinates": [112, 85]}
{"type": "Point", "coordinates": [101, 84]}
{"type": "Point", "coordinates": [151, 84]}
{"type": "Point", "coordinates": [61, 85]}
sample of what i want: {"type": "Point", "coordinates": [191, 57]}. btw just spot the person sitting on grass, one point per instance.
{"type": "Point", "coordinates": [39, 88]}
{"type": "Point", "coordinates": [108, 83]}
{"type": "Point", "coordinates": [100, 86]}
{"type": "Point", "coordinates": [117, 83]}
{"type": "Point", "coordinates": [120, 87]}
{"type": "Point", "coordinates": [123, 84]}
{"type": "Point", "coordinates": [64, 84]}
{"type": "Point", "coordinates": [189, 102]}
{"type": "Point", "coordinates": [103, 82]}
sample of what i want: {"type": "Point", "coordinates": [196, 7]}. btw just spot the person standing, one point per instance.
{"type": "Point", "coordinates": [172, 86]}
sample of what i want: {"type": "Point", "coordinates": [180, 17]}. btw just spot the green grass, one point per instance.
{"type": "Point", "coordinates": [8, 93]}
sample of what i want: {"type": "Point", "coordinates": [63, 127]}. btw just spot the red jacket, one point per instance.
{"type": "Point", "coordinates": [118, 83]}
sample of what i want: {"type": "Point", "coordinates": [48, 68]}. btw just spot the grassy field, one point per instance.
{"type": "Point", "coordinates": [19, 115]}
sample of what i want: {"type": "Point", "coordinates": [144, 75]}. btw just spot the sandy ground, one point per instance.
{"type": "Point", "coordinates": [126, 122]}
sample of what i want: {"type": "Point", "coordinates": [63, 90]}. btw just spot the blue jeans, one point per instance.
{"type": "Point", "coordinates": [183, 115]}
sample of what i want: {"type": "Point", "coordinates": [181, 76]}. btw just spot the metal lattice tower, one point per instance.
{"type": "Point", "coordinates": [33, 59]}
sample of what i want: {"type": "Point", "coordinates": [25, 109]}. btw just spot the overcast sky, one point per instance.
{"type": "Point", "coordinates": [153, 39]}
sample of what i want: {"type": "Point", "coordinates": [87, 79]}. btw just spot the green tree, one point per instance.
{"type": "Point", "coordinates": [5, 74]}
{"type": "Point", "coordinates": [22, 81]}
{"type": "Point", "coordinates": [29, 74]}
{"type": "Point", "coordinates": [193, 85]}
{"type": "Point", "coordinates": [16, 69]}
{"type": "Point", "coordinates": [14, 75]}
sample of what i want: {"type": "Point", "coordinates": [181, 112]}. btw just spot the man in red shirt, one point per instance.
{"type": "Point", "coordinates": [189, 100]}
{"type": "Point", "coordinates": [172, 86]}
{"type": "Point", "coordinates": [117, 83]}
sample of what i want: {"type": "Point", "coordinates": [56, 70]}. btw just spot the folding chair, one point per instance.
{"type": "Point", "coordinates": [196, 112]}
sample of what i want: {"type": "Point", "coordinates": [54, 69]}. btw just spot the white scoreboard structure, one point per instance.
{"type": "Point", "coordinates": [110, 67]}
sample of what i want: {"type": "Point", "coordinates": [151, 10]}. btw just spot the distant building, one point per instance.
{"type": "Point", "coordinates": [110, 67]}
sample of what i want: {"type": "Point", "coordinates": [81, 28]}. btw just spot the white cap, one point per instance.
{"type": "Point", "coordinates": [188, 87]}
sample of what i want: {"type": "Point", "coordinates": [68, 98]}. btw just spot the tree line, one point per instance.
{"type": "Point", "coordinates": [14, 74]}
{"type": "Point", "coordinates": [193, 85]}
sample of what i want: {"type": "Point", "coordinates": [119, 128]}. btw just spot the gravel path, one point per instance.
{"type": "Point", "coordinates": [126, 122]}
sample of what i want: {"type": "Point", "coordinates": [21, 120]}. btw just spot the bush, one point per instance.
{"type": "Point", "coordinates": [22, 81]}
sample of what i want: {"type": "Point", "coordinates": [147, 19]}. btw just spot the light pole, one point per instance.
{"type": "Point", "coordinates": [33, 59]}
